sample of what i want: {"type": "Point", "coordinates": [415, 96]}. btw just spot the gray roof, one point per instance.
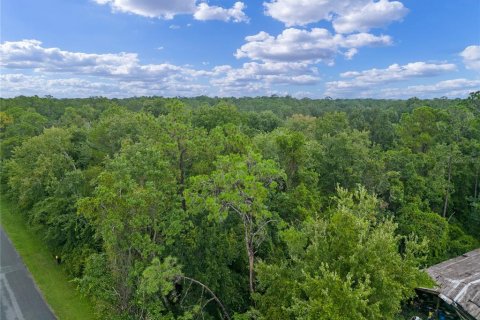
{"type": "Point", "coordinates": [458, 281]}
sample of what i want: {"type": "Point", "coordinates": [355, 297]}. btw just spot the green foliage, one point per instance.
{"type": "Point", "coordinates": [291, 151]}
{"type": "Point", "coordinates": [265, 121]}
{"type": "Point", "coordinates": [345, 266]}
{"type": "Point", "coordinates": [136, 212]}
{"type": "Point", "coordinates": [460, 242]}
{"type": "Point", "coordinates": [331, 123]}
{"type": "Point", "coordinates": [426, 225]}
{"type": "Point", "coordinates": [220, 114]}
{"type": "Point", "coordinates": [419, 130]}
{"type": "Point", "coordinates": [17, 125]}
{"type": "Point", "coordinates": [116, 125]}
{"type": "Point", "coordinates": [246, 208]}
{"type": "Point", "coordinates": [39, 165]}
{"type": "Point", "coordinates": [158, 281]}
{"type": "Point", "coordinates": [240, 186]}
{"type": "Point", "coordinates": [347, 159]}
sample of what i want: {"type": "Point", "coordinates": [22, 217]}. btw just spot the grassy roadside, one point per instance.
{"type": "Point", "coordinates": [52, 280]}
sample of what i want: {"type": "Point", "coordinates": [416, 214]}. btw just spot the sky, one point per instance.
{"type": "Point", "coordinates": [302, 48]}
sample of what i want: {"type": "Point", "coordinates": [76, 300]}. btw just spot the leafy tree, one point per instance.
{"type": "Point", "coordinates": [240, 185]}
{"type": "Point", "coordinates": [136, 211]}
{"type": "Point", "coordinates": [19, 124]}
{"type": "Point", "coordinates": [220, 114]}
{"type": "Point", "coordinates": [418, 130]}
{"type": "Point", "coordinates": [265, 121]}
{"type": "Point", "coordinates": [426, 225]}
{"type": "Point", "coordinates": [347, 159]}
{"type": "Point", "coordinates": [116, 125]}
{"type": "Point", "coordinates": [45, 182]}
{"type": "Point", "coordinates": [39, 165]}
{"type": "Point", "coordinates": [212, 208]}
{"type": "Point", "coordinates": [302, 123]}
{"type": "Point", "coordinates": [291, 151]}
{"type": "Point", "coordinates": [331, 123]}
{"type": "Point", "coordinates": [343, 266]}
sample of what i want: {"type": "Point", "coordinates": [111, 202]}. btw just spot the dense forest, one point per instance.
{"type": "Point", "coordinates": [246, 208]}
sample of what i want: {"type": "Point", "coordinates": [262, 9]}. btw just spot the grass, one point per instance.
{"type": "Point", "coordinates": [51, 279]}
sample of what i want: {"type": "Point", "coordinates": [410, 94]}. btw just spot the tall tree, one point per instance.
{"type": "Point", "coordinates": [136, 211]}
{"type": "Point", "coordinates": [345, 265]}
{"type": "Point", "coordinates": [240, 185]}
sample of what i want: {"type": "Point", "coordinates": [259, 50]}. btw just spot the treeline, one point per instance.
{"type": "Point", "coordinates": [251, 208]}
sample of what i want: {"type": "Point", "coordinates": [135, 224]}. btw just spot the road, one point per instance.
{"type": "Point", "coordinates": [19, 297]}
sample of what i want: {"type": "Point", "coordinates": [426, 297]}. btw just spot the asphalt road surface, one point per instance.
{"type": "Point", "coordinates": [19, 297]}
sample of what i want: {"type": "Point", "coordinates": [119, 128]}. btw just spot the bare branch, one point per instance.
{"type": "Point", "coordinates": [214, 297]}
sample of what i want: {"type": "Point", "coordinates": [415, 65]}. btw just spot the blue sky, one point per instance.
{"type": "Point", "coordinates": [313, 48]}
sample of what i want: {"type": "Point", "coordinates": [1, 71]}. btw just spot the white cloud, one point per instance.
{"type": "Point", "coordinates": [259, 78]}
{"type": "Point", "coordinates": [346, 15]}
{"type": "Point", "coordinates": [168, 9]}
{"type": "Point", "coordinates": [363, 80]}
{"type": "Point", "coordinates": [372, 15]}
{"type": "Point", "coordinates": [453, 88]}
{"type": "Point", "coordinates": [363, 39]}
{"type": "Point", "coordinates": [312, 46]}
{"type": "Point", "coordinates": [66, 73]}
{"type": "Point", "coordinates": [471, 57]}
{"type": "Point", "coordinates": [397, 72]}
{"type": "Point", "coordinates": [36, 69]}
{"type": "Point", "coordinates": [303, 12]}
{"type": "Point", "coordinates": [164, 9]}
{"type": "Point", "coordinates": [29, 54]}
{"type": "Point", "coordinates": [268, 72]}
{"type": "Point", "coordinates": [20, 84]}
{"type": "Point", "coordinates": [235, 14]}
{"type": "Point", "coordinates": [350, 53]}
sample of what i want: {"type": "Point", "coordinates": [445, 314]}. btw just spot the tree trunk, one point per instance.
{"type": "Point", "coordinates": [475, 191]}
{"type": "Point", "coordinates": [212, 294]}
{"type": "Point", "coordinates": [447, 189]}
{"type": "Point", "coordinates": [181, 165]}
{"type": "Point", "coordinates": [249, 246]}
{"type": "Point", "coordinates": [251, 260]}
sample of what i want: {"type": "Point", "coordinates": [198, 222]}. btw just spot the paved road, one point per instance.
{"type": "Point", "coordinates": [19, 298]}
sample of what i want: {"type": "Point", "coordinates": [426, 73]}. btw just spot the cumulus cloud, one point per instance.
{"type": "Point", "coordinates": [350, 53]}
{"type": "Point", "coordinates": [453, 88]}
{"type": "Point", "coordinates": [372, 15]}
{"type": "Point", "coordinates": [30, 54]}
{"type": "Point", "coordinates": [76, 74]}
{"type": "Point", "coordinates": [34, 69]}
{"type": "Point", "coordinates": [20, 84]}
{"type": "Point", "coordinates": [303, 12]}
{"type": "Point", "coordinates": [346, 16]}
{"type": "Point", "coordinates": [235, 14]}
{"type": "Point", "coordinates": [471, 57]}
{"type": "Point", "coordinates": [296, 73]}
{"type": "Point", "coordinates": [361, 80]}
{"type": "Point", "coordinates": [312, 46]}
{"type": "Point", "coordinates": [255, 78]}
{"type": "Point", "coordinates": [396, 72]}
{"type": "Point", "coordinates": [165, 9]}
